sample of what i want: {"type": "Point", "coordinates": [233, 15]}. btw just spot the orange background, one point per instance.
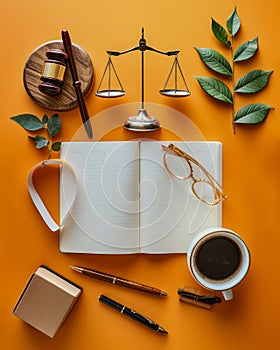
{"type": "Point", "coordinates": [250, 174]}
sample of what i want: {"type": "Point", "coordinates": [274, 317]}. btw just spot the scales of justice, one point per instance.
{"type": "Point", "coordinates": [142, 121]}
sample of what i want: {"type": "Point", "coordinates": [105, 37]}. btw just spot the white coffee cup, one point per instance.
{"type": "Point", "coordinates": [218, 259]}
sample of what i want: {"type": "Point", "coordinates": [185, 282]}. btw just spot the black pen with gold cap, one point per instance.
{"type": "Point", "coordinates": [118, 280]}
{"type": "Point", "coordinates": [146, 321]}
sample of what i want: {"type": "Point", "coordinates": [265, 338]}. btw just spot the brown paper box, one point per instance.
{"type": "Point", "coordinates": [47, 300]}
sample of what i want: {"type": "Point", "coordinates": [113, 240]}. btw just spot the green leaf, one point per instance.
{"type": "Point", "coordinates": [42, 144]}
{"type": "Point", "coordinates": [246, 50]}
{"type": "Point", "coordinates": [252, 114]}
{"type": "Point", "coordinates": [233, 23]}
{"type": "Point", "coordinates": [45, 119]}
{"type": "Point", "coordinates": [54, 125]}
{"type": "Point", "coordinates": [56, 146]}
{"type": "Point", "coordinates": [220, 33]}
{"type": "Point", "coordinates": [28, 121]}
{"type": "Point", "coordinates": [40, 141]}
{"type": "Point", "coordinates": [215, 88]}
{"type": "Point", "coordinates": [253, 81]}
{"type": "Point", "coordinates": [215, 61]}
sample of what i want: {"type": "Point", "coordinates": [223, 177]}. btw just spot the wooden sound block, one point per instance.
{"type": "Point", "coordinates": [67, 99]}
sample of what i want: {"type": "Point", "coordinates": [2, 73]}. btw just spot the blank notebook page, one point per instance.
{"type": "Point", "coordinates": [104, 217]}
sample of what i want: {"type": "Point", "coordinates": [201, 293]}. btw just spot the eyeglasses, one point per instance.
{"type": "Point", "coordinates": [204, 186]}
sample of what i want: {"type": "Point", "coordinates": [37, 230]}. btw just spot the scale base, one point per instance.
{"type": "Point", "coordinates": [142, 122]}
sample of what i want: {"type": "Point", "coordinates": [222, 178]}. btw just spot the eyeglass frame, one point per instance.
{"type": "Point", "coordinates": [218, 190]}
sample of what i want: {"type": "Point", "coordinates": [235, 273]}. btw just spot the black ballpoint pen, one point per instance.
{"type": "Point", "coordinates": [131, 313]}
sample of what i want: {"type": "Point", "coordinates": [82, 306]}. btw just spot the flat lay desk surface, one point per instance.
{"type": "Point", "coordinates": [251, 168]}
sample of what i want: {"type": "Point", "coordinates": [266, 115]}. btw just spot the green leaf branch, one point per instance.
{"type": "Point", "coordinates": [250, 83]}
{"type": "Point", "coordinates": [51, 125]}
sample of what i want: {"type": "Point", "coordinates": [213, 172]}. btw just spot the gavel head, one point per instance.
{"type": "Point", "coordinates": [53, 72]}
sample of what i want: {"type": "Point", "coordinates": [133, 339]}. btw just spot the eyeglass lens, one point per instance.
{"type": "Point", "coordinates": [205, 191]}
{"type": "Point", "coordinates": [177, 166]}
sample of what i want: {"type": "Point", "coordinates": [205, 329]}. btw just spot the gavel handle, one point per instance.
{"type": "Point", "coordinates": [76, 83]}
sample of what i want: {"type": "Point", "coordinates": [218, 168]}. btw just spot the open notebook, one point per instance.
{"type": "Point", "coordinates": [128, 203]}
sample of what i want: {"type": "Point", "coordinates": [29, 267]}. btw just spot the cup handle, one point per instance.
{"type": "Point", "coordinates": [227, 294]}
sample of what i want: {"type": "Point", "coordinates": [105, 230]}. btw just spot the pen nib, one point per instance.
{"type": "Point", "coordinates": [76, 268]}
{"type": "Point", "coordinates": [162, 330]}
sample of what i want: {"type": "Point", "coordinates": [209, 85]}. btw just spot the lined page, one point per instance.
{"type": "Point", "coordinates": [170, 215]}
{"type": "Point", "coordinates": [104, 218]}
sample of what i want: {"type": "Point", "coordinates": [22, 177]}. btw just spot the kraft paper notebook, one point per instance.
{"type": "Point", "coordinates": [127, 202]}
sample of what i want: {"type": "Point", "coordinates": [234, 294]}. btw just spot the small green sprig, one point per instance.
{"type": "Point", "coordinates": [250, 83]}
{"type": "Point", "coordinates": [32, 123]}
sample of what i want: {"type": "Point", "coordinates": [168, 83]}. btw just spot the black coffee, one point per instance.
{"type": "Point", "coordinates": [218, 258]}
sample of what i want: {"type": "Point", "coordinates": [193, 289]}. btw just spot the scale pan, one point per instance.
{"type": "Point", "coordinates": [175, 93]}
{"type": "Point", "coordinates": [110, 93]}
